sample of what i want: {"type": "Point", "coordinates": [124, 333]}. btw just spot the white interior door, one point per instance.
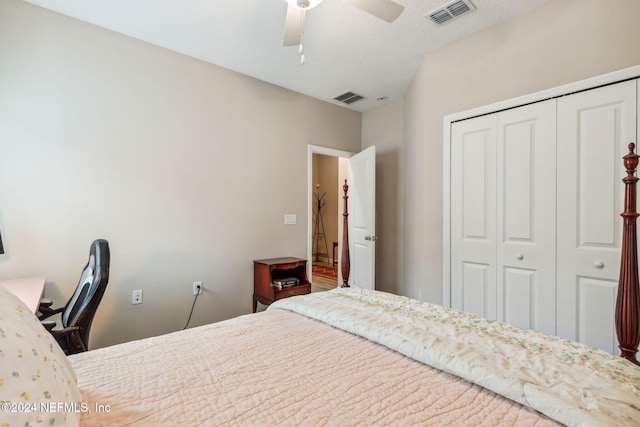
{"type": "Point", "coordinates": [594, 129]}
{"type": "Point", "coordinates": [473, 216]}
{"type": "Point", "coordinates": [526, 216]}
{"type": "Point", "coordinates": [362, 228]}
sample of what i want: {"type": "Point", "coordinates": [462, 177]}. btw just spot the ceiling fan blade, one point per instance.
{"type": "Point", "coordinates": [293, 26]}
{"type": "Point", "coordinates": [383, 9]}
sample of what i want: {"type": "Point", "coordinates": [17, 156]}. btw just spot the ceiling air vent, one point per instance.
{"type": "Point", "coordinates": [450, 11]}
{"type": "Point", "coordinates": [348, 97]}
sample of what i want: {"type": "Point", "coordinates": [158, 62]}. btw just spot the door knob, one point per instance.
{"type": "Point", "coordinates": [519, 257]}
{"type": "Point", "coordinates": [371, 238]}
{"type": "Point", "coordinates": [598, 264]}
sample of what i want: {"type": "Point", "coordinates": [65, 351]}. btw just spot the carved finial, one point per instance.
{"type": "Point", "coordinates": [631, 161]}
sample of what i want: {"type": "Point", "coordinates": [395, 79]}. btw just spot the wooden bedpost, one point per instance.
{"type": "Point", "coordinates": [628, 301]}
{"type": "Point", "coordinates": [346, 262]}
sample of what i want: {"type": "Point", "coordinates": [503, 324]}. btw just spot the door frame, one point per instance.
{"type": "Point", "coordinates": [326, 151]}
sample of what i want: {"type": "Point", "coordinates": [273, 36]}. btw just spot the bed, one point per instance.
{"type": "Point", "coordinates": [343, 357]}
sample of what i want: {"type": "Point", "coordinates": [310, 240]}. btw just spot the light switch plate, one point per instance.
{"type": "Point", "coordinates": [289, 219]}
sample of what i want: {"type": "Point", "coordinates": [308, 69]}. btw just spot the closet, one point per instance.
{"type": "Point", "coordinates": [533, 196]}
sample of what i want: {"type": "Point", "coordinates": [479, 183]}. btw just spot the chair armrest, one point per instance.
{"type": "Point", "coordinates": [66, 331]}
{"type": "Point", "coordinates": [75, 343]}
{"type": "Point", "coordinates": [45, 302]}
{"type": "Point", "coordinates": [48, 324]}
{"type": "Point", "coordinates": [48, 312]}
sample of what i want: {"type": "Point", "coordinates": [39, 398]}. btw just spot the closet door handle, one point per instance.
{"type": "Point", "coordinates": [370, 238]}
{"type": "Point", "coordinates": [519, 257]}
{"type": "Point", "coordinates": [598, 264]}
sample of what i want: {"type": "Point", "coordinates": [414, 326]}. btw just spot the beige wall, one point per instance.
{"type": "Point", "coordinates": [557, 43]}
{"type": "Point", "coordinates": [383, 127]}
{"type": "Point", "coordinates": [186, 168]}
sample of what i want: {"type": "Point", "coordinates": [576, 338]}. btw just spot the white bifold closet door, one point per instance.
{"type": "Point", "coordinates": [526, 216]}
{"type": "Point", "coordinates": [473, 216]}
{"type": "Point", "coordinates": [503, 216]}
{"type": "Point", "coordinates": [594, 130]}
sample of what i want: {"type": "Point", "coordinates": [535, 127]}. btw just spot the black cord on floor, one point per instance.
{"type": "Point", "coordinates": [192, 305]}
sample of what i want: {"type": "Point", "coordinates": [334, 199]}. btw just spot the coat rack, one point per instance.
{"type": "Point", "coordinates": [319, 237]}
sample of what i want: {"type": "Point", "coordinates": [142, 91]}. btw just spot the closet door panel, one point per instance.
{"type": "Point", "coordinates": [473, 216]}
{"type": "Point", "coordinates": [526, 207]}
{"type": "Point", "coordinates": [518, 293]}
{"type": "Point", "coordinates": [594, 129]}
{"type": "Point", "coordinates": [476, 290]}
{"type": "Point", "coordinates": [596, 329]}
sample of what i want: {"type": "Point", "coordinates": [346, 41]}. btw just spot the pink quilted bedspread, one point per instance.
{"type": "Point", "coordinates": [278, 368]}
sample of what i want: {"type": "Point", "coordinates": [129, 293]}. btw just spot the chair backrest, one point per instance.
{"type": "Point", "coordinates": [82, 306]}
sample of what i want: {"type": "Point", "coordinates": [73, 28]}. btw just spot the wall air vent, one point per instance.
{"type": "Point", "coordinates": [450, 11]}
{"type": "Point", "coordinates": [348, 97]}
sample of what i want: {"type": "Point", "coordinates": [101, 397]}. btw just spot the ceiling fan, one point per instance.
{"type": "Point", "coordinates": [386, 10]}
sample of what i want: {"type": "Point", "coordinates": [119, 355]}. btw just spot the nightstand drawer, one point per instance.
{"type": "Point", "coordinates": [293, 291]}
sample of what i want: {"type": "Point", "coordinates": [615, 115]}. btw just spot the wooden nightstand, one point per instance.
{"type": "Point", "coordinates": [265, 271]}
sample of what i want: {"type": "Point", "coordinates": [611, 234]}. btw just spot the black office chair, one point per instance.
{"type": "Point", "coordinates": [78, 313]}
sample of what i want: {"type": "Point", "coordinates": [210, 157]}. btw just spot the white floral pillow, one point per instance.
{"type": "Point", "coordinates": [37, 383]}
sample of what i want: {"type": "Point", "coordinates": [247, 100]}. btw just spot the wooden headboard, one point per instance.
{"type": "Point", "coordinates": [627, 314]}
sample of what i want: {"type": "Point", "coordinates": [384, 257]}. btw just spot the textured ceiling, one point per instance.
{"type": "Point", "coordinates": [345, 48]}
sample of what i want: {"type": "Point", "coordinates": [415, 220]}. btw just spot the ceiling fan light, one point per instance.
{"type": "Point", "coordinates": [304, 4]}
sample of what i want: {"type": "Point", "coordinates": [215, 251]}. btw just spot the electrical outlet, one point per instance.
{"type": "Point", "coordinates": [197, 288]}
{"type": "Point", "coordinates": [136, 297]}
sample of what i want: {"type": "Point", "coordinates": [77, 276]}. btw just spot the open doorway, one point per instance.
{"type": "Point", "coordinates": [324, 222]}
{"type": "Point", "coordinates": [359, 171]}
{"type": "Point", "coordinates": [328, 168]}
